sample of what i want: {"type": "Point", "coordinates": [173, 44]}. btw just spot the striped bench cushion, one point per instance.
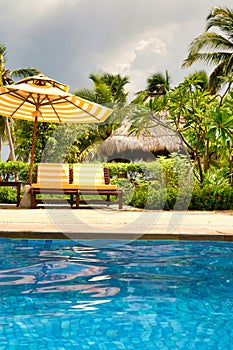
{"type": "Point", "coordinates": [90, 176]}
{"type": "Point", "coordinates": [52, 175]}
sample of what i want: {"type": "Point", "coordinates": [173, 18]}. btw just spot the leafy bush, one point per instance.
{"type": "Point", "coordinates": [217, 176]}
{"type": "Point", "coordinates": [164, 184]}
{"type": "Point", "coordinates": [212, 197]}
{"type": "Point", "coordinates": [10, 171]}
{"type": "Point", "coordinates": [174, 171]}
{"type": "Point", "coordinates": [153, 196]}
{"type": "Point", "coordinates": [7, 195]}
{"type": "Point", "coordinates": [126, 186]}
{"type": "Point", "coordinates": [184, 197]}
{"type": "Point", "coordinates": [140, 195]}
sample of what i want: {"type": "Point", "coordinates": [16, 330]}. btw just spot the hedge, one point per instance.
{"type": "Point", "coordinates": [165, 184]}
{"type": "Point", "coordinates": [13, 170]}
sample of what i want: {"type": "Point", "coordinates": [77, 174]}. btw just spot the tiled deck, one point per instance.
{"type": "Point", "coordinates": [106, 223]}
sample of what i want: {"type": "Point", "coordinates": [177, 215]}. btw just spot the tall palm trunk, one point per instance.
{"type": "Point", "coordinates": [8, 129]}
{"type": "Point", "coordinates": [0, 149]}
{"type": "Point", "coordinates": [9, 136]}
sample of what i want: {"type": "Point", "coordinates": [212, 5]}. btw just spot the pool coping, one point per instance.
{"type": "Point", "coordinates": [126, 237]}
{"type": "Point", "coordinates": [133, 224]}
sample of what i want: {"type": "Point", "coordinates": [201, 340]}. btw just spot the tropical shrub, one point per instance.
{"type": "Point", "coordinates": [7, 195]}
{"type": "Point", "coordinates": [126, 186]}
{"type": "Point", "coordinates": [140, 195]}
{"type": "Point", "coordinates": [12, 170]}
{"type": "Point", "coordinates": [212, 197]}
{"type": "Point", "coordinates": [164, 184]}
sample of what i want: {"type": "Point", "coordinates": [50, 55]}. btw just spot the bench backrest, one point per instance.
{"type": "Point", "coordinates": [90, 175]}
{"type": "Point", "coordinates": [53, 173]}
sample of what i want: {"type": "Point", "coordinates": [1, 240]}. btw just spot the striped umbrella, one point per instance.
{"type": "Point", "coordinates": [41, 99]}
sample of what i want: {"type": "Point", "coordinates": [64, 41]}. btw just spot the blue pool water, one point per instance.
{"type": "Point", "coordinates": [142, 295]}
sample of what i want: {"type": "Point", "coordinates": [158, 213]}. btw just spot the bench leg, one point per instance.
{"type": "Point", "coordinates": [77, 200]}
{"type": "Point", "coordinates": [33, 199]}
{"type": "Point", "coordinates": [71, 200]}
{"type": "Point", "coordinates": [18, 195]}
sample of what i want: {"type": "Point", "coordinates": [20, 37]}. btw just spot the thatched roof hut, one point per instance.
{"type": "Point", "coordinates": [157, 140]}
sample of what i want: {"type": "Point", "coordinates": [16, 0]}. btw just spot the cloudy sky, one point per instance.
{"type": "Point", "coordinates": [69, 39]}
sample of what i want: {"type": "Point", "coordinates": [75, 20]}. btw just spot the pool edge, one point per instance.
{"type": "Point", "coordinates": [117, 236]}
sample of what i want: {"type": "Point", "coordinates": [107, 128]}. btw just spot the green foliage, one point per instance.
{"type": "Point", "coordinates": [10, 170]}
{"type": "Point", "coordinates": [203, 121]}
{"type": "Point", "coordinates": [217, 176]}
{"type": "Point", "coordinates": [220, 123]}
{"type": "Point", "coordinates": [108, 89]}
{"type": "Point", "coordinates": [214, 46]}
{"type": "Point", "coordinates": [23, 135]}
{"type": "Point", "coordinates": [140, 195]}
{"type": "Point", "coordinates": [158, 83]}
{"type": "Point", "coordinates": [69, 142]}
{"type": "Point", "coordinates": [164, 184]}
{"type": "Point", "coordinates": [7, 195]}
{"type": "Point", "coordinates": [126, 186]}
{"type": "Point", "coordinates": [151, 195]}
{"type": "Point", "coordinates": [215, 193]}
{"type": "Point", "coordinates": [174, 171]}
{"type": "Point", "coordinates": [212, 197]}
{"type": "Point", "coordinates": [24, 173]}
{"type": "Point", "coordinates": [156, 196]}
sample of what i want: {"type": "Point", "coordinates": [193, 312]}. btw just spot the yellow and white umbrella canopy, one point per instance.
{"type": "Point", "coordinates": [41, 99]}
{"type": "Point", "coordinates": [49, 101]}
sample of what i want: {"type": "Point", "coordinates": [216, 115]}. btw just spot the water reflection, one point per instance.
{"type": "Point", "coordinates": [88, 305]}
{"type": "Point", "coordinates": [48, 273]}
{"type": "Point", "coordinates": [61, 271]}
{"type": "Point", "coordinates": [97, 290]}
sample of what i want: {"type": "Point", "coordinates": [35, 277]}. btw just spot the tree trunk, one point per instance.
{"type": "Point", "coordinates": [199, 167]}
{"type": "Point", "coordinates": [11, 145]}
{"type": "Point", "coordinates": [230, 161]}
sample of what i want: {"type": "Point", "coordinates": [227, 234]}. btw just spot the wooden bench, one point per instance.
{"type": "Point", "coordinates": [93, 179]}
{"type": "Point", "coordinates": [53, 178]}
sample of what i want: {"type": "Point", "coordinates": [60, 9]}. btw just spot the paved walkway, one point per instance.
{"type": "Point", "coordinates": [115, 224]}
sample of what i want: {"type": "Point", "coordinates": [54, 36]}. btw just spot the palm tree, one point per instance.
{"type": "Point", "coordinates": [5, 79]}
{"type": "Point", "coordinates": [158, 84]}
{"type": "Point", "coordinates": [116, 84]}
{"type": "Point", "coordinates": [199, 79]}
{"type": "Point", "coordinates": [108, 89]}
{"type": "Point", "coordinates": [220, 44]}
{"type": "Point", "coordinates": [2, 133]}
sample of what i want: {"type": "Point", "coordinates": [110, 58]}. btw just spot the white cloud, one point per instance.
{"type": "Point", "coordinates": [138, 57]}
{"type": "Point", "coordinates": [152, 44]}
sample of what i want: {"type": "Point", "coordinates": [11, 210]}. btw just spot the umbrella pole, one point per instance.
{"type": "Point", "coordinates": [33, 149]}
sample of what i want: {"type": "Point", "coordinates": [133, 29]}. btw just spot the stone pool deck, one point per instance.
{"type": "Point", "coordinates": [106, 223]}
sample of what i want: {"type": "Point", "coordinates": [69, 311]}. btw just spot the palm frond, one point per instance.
{"type": "Point", "coordinates": [3, 51]}
{"type": "Point", "coordinates": [214, 48]}
{"type": "Point", "coordinates": [221, 18]}
{"type": "Point", "coordinates": [215, 80]}
{"type": "Point", "coordinates": [88, 94]}
{"type": "Point", "coordinates": [24, 72]}
{"type": "Point", "coordinates": [210, 41]}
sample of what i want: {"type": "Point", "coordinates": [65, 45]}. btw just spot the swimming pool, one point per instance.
{"type": "Point", "coordinates": [140, 295]}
